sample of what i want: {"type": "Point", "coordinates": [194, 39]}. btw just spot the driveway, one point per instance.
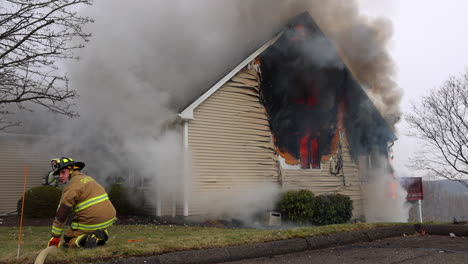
{"type": "Point", "coordinates": [425, 249]}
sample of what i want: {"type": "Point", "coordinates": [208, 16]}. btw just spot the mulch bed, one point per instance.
{"type": "Point", "coordinates": [14, 220]}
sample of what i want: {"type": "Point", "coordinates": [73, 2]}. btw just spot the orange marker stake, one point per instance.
{"type": "Point", "coordinates": [22, 210]}
{"type": "Point", "coordinates": [134, 240]}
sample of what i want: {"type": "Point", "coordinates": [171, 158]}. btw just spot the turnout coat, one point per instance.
{"type": "Point", "coordinates": [87, 202]}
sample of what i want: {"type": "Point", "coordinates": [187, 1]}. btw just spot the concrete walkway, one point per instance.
{"type": "Point", "coordinates": [270, 249]}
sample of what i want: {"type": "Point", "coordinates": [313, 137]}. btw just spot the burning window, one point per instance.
{"type": "Point", "coordinates": [313, 100]}
{"type": "Point", "coordinates": [301, 96]}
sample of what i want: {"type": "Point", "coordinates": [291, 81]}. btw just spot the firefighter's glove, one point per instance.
{"type": "Point", "coordinates": [54, 241]}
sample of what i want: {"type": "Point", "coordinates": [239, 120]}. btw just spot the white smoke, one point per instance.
{"type": "Point", "coordinates": [241, 202]}
{"type": "Point", "coordinates": [384, 198]}
{"type": "Point", "coordinates": [146, 61]}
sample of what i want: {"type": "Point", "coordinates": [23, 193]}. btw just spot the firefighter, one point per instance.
{"type": "Point", "coordinates": [86, 202]}
{"type": "Point", "coordinates": [50, 180]}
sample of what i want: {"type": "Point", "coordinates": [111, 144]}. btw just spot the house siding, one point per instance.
{"type": "Point", "coordinates": [231, 144]}
{"type": "Point", "coordinates": [232, 150]}
{"type": "Point", "coordinates": [17, 151]}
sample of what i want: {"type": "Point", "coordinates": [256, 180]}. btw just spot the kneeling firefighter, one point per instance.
{"type": "Point", "coordinates": [86, 202]}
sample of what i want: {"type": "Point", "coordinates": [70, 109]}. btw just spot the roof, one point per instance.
{"type": "Point", "coordinates": [187, 113]}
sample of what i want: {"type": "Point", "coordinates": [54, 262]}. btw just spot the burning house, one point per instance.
{"type": "Point", "coordinates": [290, 115]}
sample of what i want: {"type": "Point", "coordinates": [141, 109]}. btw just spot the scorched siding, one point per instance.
{"type": "Point", "coordinates": [230, 142]}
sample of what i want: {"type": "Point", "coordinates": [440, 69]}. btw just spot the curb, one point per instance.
{"type": "Point", "coordinates": [444, 230]}
{"type": "Point", "coordinates": [281, 247]}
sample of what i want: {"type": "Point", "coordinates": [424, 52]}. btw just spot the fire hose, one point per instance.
{"type": "Point", "coordinates": [43, 254]}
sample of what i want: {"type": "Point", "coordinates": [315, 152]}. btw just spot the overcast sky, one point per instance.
{"type": "Point", "coordinates": [430, 42]}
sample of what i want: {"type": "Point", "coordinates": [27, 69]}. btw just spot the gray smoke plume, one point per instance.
{"type": "Point", "coordinates": [362, 43]}
{"type": "Point", "coordinates": [146, 62]}
{"type": "Point", "coordinates": [203, 40]}
{"type": "Point", "coordinates": [149, 59]}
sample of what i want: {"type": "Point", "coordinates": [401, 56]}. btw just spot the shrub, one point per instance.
{"type": "Point", "coordinates": [332, 209]}
{"type": "Point", "coordinates": [40, 202]}
{"type": "Point", "coordinates": [296, 206]}
{"type": "Point", "coordinates": [126, 201]}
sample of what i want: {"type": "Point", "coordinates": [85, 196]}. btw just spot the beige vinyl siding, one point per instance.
{"type": "Point", "coordinates": [321, 181]}
{"type": "Point", "coordinates": [15, 152]}
{"type": "Point", "coordinates": [231, 145]}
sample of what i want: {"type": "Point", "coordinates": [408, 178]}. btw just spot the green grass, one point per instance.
{"type": "Point", "coordinates": [156, 239]}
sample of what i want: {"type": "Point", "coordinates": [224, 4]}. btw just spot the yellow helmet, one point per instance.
{"type": "Point", "coordinates": [63, 163]}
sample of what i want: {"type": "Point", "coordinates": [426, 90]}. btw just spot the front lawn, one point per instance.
{"type": "Point", "coordinates": [144, 240]}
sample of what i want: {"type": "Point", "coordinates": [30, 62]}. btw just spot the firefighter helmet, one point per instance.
{"type": "Point", "coordinates": [64, 163]}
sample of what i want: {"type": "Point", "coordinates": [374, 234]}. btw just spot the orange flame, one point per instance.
{"type": "Point", "coordinates": [393, 188]}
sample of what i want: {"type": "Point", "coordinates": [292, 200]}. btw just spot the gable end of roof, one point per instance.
{"type": "Point", "coordinates": [187, 113]}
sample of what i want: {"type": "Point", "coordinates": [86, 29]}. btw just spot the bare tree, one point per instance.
{"type": "Point", "coordinates": [34, 36]}
{"type": "Point", "coordinates": [440, 120]}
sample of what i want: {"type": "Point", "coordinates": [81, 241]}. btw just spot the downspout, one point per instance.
{"type": "Point", "coordinates": [186, 177]}
{"type": "Point", "coordinates": [158, 203]}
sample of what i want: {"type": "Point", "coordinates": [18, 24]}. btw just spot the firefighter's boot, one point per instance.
{"type": "Point", "coordinates": [92, 240]}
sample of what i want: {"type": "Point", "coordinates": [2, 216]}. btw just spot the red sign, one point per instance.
{"type": "Point", "coordinates": [414, 187]}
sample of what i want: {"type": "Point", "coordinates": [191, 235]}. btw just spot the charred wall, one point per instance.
{"type": "Point", "coordinates": [368, 132]}
{"type": "Point", "coordinates": [303, 83]}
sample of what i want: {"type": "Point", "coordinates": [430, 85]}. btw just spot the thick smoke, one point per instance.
{"type": "Point", "coordinates": [241, 202]}
{"type": "Point", "coordinates": [363, 44]}
{"type": "Point", "coordinates": [384, 197]}
{"type": "Point", "coordinates": [147, 60]}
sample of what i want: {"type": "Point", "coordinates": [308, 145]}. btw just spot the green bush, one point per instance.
{"type": "Point", "coordinates": [332, 209]}
{"type": "Point", "coordinates": [297, 206]}
{"type": "Point", "coordinates": [126, 201]}
{"type": "Point", "coordinates": [40, 202]}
